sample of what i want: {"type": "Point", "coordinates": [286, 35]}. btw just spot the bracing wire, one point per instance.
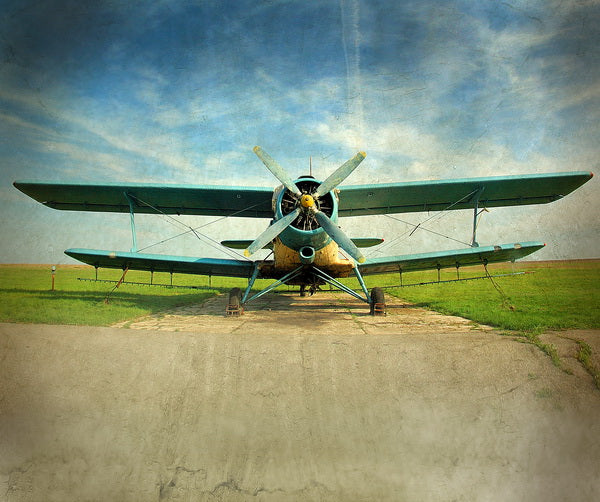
{"type": "Point", "coordinates": [212, 242]}
{"type": "Point", "coordinates": [199, 227]}
{"type": "Point", "coordinates": [420, 226]}
{"type": "Point", "coordinates": [107, 297]}
{"type": "Point", "coordinates": [410, 232]}
{"type": "Point", "coordinates": [505, 300]}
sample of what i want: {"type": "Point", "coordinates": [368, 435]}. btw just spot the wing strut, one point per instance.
{"type": "Point", "coordinates": [476, 213]}
{"type": "Point", "coordinates": [251, 282]}
{"type": "Point", "coordinates": [134, 246]}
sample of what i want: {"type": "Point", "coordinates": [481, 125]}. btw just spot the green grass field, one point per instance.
{"type": "Point", "coordinates": [549, 296]}
{"type": "Point", "coordinates": [26, 296]}
{"type": "Point", "coordinates": [557, 295]}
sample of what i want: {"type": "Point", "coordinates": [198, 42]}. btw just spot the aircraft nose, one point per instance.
{"type": "Point", "coordinates": [307, 200]}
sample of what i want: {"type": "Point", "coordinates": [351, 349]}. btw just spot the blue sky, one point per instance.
{"type": "Point", "coordinates": [180, 92]}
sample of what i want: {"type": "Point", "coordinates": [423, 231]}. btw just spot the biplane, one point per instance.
{"type": "Point", "coordinates": [308, 248]}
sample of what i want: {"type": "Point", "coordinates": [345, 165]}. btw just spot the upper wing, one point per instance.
{"type": "Point", "coordinates": [163, 263]}
{"type": "Point", "coordinates": [458, 194]}
{"type": "Point", "coordinates": [444, 259]}
{"type": "Point", "coordinates": [153, 198]}
{"type": "Point", "coordinates": [354, 200]}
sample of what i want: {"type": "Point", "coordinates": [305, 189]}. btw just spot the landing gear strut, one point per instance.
{"type": "Point", "coordinates": [237, 299]}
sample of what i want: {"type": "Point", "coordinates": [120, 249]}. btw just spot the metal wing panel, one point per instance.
{"type": "Point", "coordinates": [445, 259]}
{"type": "Point", "coordinates": [163, 263]}
{"type": "Point", "coordinates": [242, 244]}
{"type": "Point", "coordinates": [458, 194]}
{"type": "Point", "coordinates": [361, 242]}
{"type": "Point", "coordinates": [153, 198]}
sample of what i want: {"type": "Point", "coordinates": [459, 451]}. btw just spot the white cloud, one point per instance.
{"type": "Point", "coordinates": [13, 120]}
{"type": "Point", "coordinates": [411, 124]}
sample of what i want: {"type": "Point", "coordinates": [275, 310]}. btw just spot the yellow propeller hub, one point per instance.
{"type": "Point", "coordinates": [307, 200]}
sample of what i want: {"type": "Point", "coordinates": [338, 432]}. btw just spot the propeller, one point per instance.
{"type": "Point", "coordinates": [340, 238]}
{"type": "Point", "coordinates": [306, 203]}
{"type": "Point", "coordinates": [277, 170]}
{"type": "Point", "coordinates": [273, 231]}
{"type": "Point", "coordinates": [340, 174]}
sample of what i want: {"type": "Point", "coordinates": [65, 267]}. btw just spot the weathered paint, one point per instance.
{"type": "Point", "coordinates": [441, 195]}
{"type": "Point", "coordinates": [149, 198]}
{"type": "Point", "coordinates": [163, 263]}
{"type": "Point", "coordinates": [361, 242]}
{"type": "Point", "coordinates": [446, 259]}
{"type": "Point", "coordinates": [288, 259]}
{"type": "Point", "coordinates": [356, 200]}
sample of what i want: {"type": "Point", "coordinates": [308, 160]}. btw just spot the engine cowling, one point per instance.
{"type": "Point", "coordinates": [305, 230]}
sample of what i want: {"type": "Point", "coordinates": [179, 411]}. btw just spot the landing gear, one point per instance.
{"type": "Point", "coordinates": [234, 306]}
{"type": "Point", "coordinates": [377, 302]}
{"type": "Point", "coordinates": [308, 277]}
{"type": "Point", "coordinates": [312, 289]}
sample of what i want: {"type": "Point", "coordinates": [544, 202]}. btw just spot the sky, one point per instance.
{"type": "Point", "coordinates": [180, 92]}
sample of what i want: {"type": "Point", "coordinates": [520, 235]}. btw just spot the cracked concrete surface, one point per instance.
{"type": "Point", "coordinates": [299, 399]}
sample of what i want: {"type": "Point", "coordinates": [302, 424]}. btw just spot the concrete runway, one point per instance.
{"type": "Point", "coordinates": [299, 399]}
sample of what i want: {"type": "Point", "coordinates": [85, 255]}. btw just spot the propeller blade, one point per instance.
{"type": "Point", "coordinates": [340, 174]}
{"type": "Point", "coordinates": [341, 239]}
{"type": "Point", "coordinates": [270, 233]}
{"type": "Point", "coordinates": [277, 170]}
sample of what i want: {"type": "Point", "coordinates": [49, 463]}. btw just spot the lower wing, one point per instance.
{"type": "Point", "coordinates": [446, 259]}
{"type": "Point", "coordinates": [163, 263]}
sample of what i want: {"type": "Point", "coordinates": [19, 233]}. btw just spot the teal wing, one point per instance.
{"type": "Point", "coordinates": [361, 242]}
{"type": "Point", "coordinates": [458, 194]}
{"type": "Point", "coordinates": [163, 263]}
{"type": "Point", "coordinates": [153, 198]}
{"type": "Point", "coordinates": [242, 244]}
{"type": "Point", "coordinates": [445, 259]}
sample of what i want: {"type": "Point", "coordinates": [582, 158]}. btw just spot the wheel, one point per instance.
{"type": "Point", "coordinates": [377, 302]}
{"type": "Point", "coordinates": [234, 306]}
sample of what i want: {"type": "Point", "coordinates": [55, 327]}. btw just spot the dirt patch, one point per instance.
{"type": "Point", "coordinates": [325, 312]}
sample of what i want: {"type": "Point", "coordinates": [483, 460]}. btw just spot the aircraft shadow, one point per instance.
{"type": "Point", "coordinates": [275, 306]}
{"type": "Point", "coordinates": [322, 303]}
{"type": "Point", "coordinates": [95, 296]}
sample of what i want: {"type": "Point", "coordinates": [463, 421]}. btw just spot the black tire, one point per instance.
{"type": "Point", "coordinates": [235, 301]}
{"type": "Point", "coordinates": [377, 297]}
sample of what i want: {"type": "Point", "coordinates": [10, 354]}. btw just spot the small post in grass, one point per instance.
{"type": "Point", "coordinates": [53, 273]}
